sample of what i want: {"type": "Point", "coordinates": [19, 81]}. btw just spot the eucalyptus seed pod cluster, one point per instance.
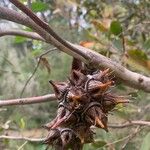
{"type": "Point", "coordinates": [83, 101]}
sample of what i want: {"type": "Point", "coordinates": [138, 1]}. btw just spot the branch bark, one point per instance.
{"type": "Point", "coordinates": [26, 34]}
{"type": "Point", "coordinates": [22, 138]}
{"type": "Point", "coordinates": [131, 123]}
{"type": "Point", "coordinates": [86, 55]}
{"type": "Point", "coordinates": [25, 101]}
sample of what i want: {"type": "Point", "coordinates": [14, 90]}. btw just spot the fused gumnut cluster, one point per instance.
{"type": "Point", "coordinates": [84, 101]}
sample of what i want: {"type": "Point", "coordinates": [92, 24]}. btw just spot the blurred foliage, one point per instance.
{"type": "Point", "coordinates": [117, 29]}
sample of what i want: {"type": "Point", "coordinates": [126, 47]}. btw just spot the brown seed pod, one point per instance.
{"type": "Point", "coordinates": [84, 101]}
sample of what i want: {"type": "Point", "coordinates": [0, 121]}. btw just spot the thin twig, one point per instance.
{"type": "Point", "coordinates": [35, 69]}
{"type": "Point", "coordinates": [17, 32]}
{"type": "Point", "coordinates": [123, 43]}
{"type": "Point", "coordinates": [131, 123]}
{"type": "Point", "coordinates": [117, 141]}
{"type": "Point", "coordinates": [22, 145]}
{"type": "Point", "coordinates": [137, 130]}
{"type": "Point", "coordinates": [26, 101]}
{"type": "Point", "coordinates": [22, 138]}
{"type": "Point", "coordinates": [122, 139]}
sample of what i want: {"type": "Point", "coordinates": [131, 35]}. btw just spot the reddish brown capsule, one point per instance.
{"type": "Point", "coordinates": [83, 101]}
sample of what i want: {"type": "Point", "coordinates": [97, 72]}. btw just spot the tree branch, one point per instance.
{"type": "Point", "coordinates": [88, 56]}
{"type": "Point", "coordinates": [138, 122]}
{"type": "Point", "coordinates": [124, 138]}
{"type": "Point", "coordinates": [136, 131]}
{"type": "Point", "coordinates": [26, 34]}
{"type": "Point", "coordinates": [22, 138]}
{"type": "Point", "coordinates": [131, 123]}
{"type": "Point", "coordinates": [25, 101]}
{"type": "Point", "coordinates": [46, 27]}
{"type": "Point", "coordinates": [19, 18]}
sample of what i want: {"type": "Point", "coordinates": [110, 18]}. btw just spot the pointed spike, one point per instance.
{"type": "Point", "coordinates": [110, 73]}
{"type": "Point", "coordinates": [54, 85]}
{"type": "Point", "coordinates": [99, 122]}
{"type": "Point", "coordinates": [58, 122]}
{"type": "Point", "coordinates": [52, 136]}
{"type": "Point", "coordinates": [106, 129]}
{"type": "Point", "coordinates": [105, 71]}
{"type": "Point", "coordinates": [89, 120]}
{"type": "Point", "coordinates": [78, 73]}
{"type": "Point", "coordinates": [51, 82]}
{"type": "Point", "coordinates": [63, 120]}
{"type": "Point", "coordinates": [82, 140]}
{"type": "Point", "coordinates": [105, 85]}
{"type": "Point", "coordinates": [78, 77]}
{"type": "Point", "coordinates": [102, 73]}
{"type": "Point", "coordinates": [50, 124]}
{"type": "Point", "coordinates": [56, 89]}
{"type": "Point", "coordinates": [101, 88]}
{"type": "Point", "coordinates": [71, 81]}
{"type": "Point", "coordinates": [117, 101]}
{"type": "Point", "coordinates": [74, 75]}
{"type": "Point", "coordinates": [76, 64]}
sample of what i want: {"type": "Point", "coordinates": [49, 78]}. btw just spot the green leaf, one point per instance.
{"type": "Point", "coordinates": [42, 147]}
{"type": "Point", "coordinates": [138, 60]}
{"type": "Point", "coordinates": [130, 42]}
{"type": "Point", "coordinates": [146, 45]}
{"type": "Point", "coordinates": [23, 1]}
{"type": "Point", "coordinates": [98, 143]}
{"type": "Point", "coordinates": [6, 141]}
{"type": "Point", "coordinates": [100, 26]}
{"type": "Point", "coordinates": [1, 129]}
{"type": "Point", "coordinates": [138, 54]}
{"type": "Point", "coordinates": [22, 123]}
{"type": "Point", "coordinates": [115, 28]}
{"type": "Point", "coordinates": [117, 43]}
{"type": "Point", "coordinates": [36, 53]}
{"type": "Point", "coordinates": [146, 142]}
{"type": "Point", "coordinates": [93, 13]}
{"type": "Point", "coordinates": [39, 6]}
{"type": "Point", "coordinates": [20, 39]}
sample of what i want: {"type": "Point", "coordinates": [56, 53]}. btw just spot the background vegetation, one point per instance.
{"type": "Point", "coordinates": [117, 29]}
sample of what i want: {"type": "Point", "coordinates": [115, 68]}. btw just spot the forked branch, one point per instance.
{"type": "Point", "coordinates": [86, 55]}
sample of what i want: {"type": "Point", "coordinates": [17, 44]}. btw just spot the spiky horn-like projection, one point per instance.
{"type": "Point", "coordinates": [84, 101]}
